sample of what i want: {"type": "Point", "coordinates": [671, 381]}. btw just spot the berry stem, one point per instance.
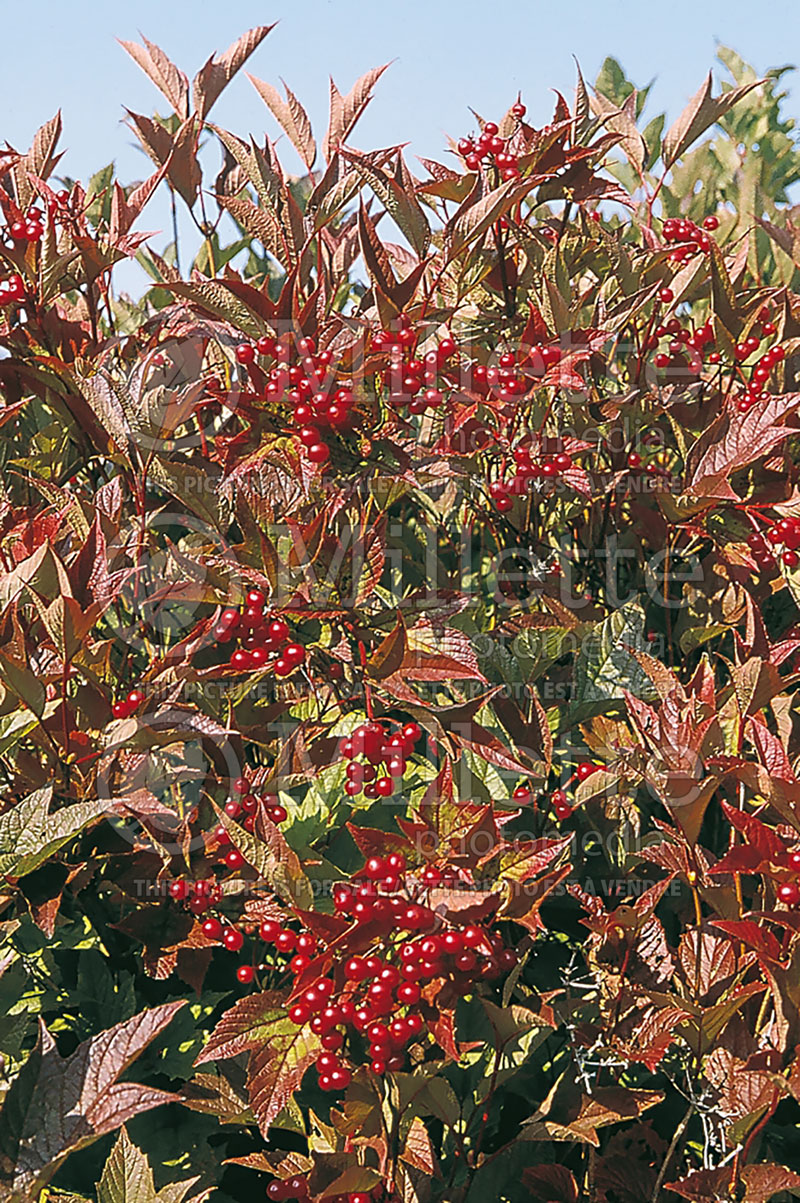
{"type": "Point", "coordinates": [362, 654]}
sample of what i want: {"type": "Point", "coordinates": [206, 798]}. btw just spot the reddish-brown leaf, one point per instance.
{"type": "Point", "coordinates": [702, 111]}
{"type": "Point", "coordinates": [170, 81]}
{"type": "Point", "coordinates": [550, 1184]}
{"type": "Point", "coordinates": [761, 1182]}
{"type": "Point", "coordinates": [734, 441]}
{"type": "Point", "coordinates": [57, 1105]}
{"type": "Point", "coordinates": [345, 111]}
{"type": "Point", "coordinates": [217, 73]}
{"type": "Point", "coordinates": [291, 116]}
{"type": "Point", "coordinates": [390, 653]}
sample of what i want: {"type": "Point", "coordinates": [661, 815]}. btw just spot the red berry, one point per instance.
{"type": "Point", "coordinates": [789, 893]}
{"type": "Point", "coordinates": [246, 353]}
{"type": "Point", "coordinates": [232, 939]}
{"type": "Point", "coordinates": [294, 654]}
{"type": "Point", "coordinates": [318, 453]}
{"type": "Point", "coordinates": [178, 889]}
{"type": "Point", "coordinates": [278, 630]}
{"type": "Point", "coordinates": [375, 868]}
{"type": "Point", "coordinates": [245, 974]}
{"type": "Point", "coordinates": [212, 929]}
{"type": "Point", "coordinates": [711, 222]}
{"type": "Point", "coordinates": [234, 859]}
{"type": "Point", "coordinates": [507, 960]}
{"type": "Point", "coordinates": [300, 1014]}
{"type": "Point", "coordinates": [286, 940]}
{"type": "Point", "coordinates": [666, 295]}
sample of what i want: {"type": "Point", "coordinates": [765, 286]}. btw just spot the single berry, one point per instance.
{"type": "Point", "coordinates": [789, 893]}
{"type": "Point", "coordinates": [232, 939]}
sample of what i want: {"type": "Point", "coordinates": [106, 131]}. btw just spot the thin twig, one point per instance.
{"type": "Point", "coordinates": [662, 1173]}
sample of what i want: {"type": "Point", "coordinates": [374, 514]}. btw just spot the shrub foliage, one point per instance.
{"type": "Point", "coordinates": [398, 657]}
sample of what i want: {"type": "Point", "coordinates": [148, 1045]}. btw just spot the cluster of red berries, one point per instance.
{"type": "Point", "coordinates": [694, 344]}
{"type": "Point", "coordinates": [693, 239]}
{"type": "Point", "coordinates": [490, 147]}
{"type": "Point", "coordinates": [264, 640]}
{"type": "Point", "coordinates": [244, 810]}
{"type": "Point", "coordinates": [127, 705]}
{"type": "Point", "coordinates": [786, 534]}
{"type": "Point", "coordinates": [198, 895]}
{"type": "Point", "coordinates": [683, 341]}
{"type": "Point", "coordinates": [350, 1007]}
{"type": "Point", "coordinates": [513, 378]}
{"type": "Point", "coordinates": [377, 758]}
{"type": "Point", "coordinates": [306, 380]}
{"type": "Point", "coordinates": [789, 891]}
{"type": "Point", "coordinates": [410, 380]}
{"type": "Point", "coordinates": [285, 940]}
{"type": "Point", "coordinates": [27, 228]}
{"type": "Point", "coordinates": [559, 800]}
{"type": "Point", "coordinates": [12, 289]}
{"type": "Point", "coordinates": [280, 1190]}
{"type": "Point", "coordinates": [546, 467]}
{"type": "Point", "coordinates": [757, 385]}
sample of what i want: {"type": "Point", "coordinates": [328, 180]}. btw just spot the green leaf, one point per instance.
{"type": "Point", "coordinates": [30, 835]}
{"type": "Point", "coordinates": [267, 851]}
{"type": "Point", "coordinates": [127, 1176]}
{"type": "Point", "coordinates": [605, 666]}
{"type": "Point", "coordinates": [281, 1051]}
{"type": "Point", "coordinates": [193, 487]}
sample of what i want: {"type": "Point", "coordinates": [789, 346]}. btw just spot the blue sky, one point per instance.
{"type": "Point", "coordinates": [447, 56]}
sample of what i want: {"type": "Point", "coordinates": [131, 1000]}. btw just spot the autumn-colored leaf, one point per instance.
{"type": "Point", "coordinates": [57, 1105]}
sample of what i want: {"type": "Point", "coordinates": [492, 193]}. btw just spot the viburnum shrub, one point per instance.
{"type": "Point", "coordinates": [399, 656]}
